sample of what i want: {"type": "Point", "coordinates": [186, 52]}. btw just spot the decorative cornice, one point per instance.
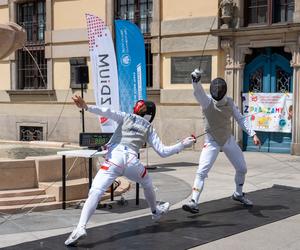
{"type": "Point", "coordinates": [257, 30]}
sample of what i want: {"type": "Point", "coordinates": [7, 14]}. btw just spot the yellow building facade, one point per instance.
{"type": "Point", "coordinates": [223, 37]}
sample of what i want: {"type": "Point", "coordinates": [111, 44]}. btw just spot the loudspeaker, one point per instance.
{"type": "Point", "coordinates": [81, 75]}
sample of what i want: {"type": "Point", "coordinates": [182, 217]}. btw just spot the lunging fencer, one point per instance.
{"type": "Point", "coordinates": [218, 110]}
{"type": "Point", "coordinates": [132, 132]}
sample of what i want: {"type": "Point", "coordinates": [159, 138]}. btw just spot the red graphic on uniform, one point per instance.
{"type": "Point", "coordinates": [103, 120]}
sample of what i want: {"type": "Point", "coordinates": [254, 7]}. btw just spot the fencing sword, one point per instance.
{"type": "Point", "coordinates": [208, 131]}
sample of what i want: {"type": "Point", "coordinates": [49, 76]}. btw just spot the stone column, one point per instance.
{"type": "Point", "coordinates": [48, 43]}
{"type": "Point", "coordinates": [234, 76]}
{"type": "Point", "coordinates": [295, 63]}
{"type": "Point", "coordinates": [12, 57]}
{"type": "Point", "coordinates": [297, 12]}
{"type": "Point", "coordinates": [227, 46]}
{"type": "Point", "coordinates": [110, 15]}
{"type": "Point", "coordinates": [240, 55]}
{"type": "Point", "coordinates": [240, 18]}
{"type": "Point", "coordinates": [155, 43]}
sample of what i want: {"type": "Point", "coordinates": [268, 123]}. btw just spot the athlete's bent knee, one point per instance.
{"type": "Point", "coordinates": [146, 181]}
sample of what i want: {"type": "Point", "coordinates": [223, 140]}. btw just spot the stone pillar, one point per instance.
{"type": "Point", "coordinates": [240, 16]}
{"type": "Point", "coordinates": [234, 76]}
{"type": "Point", "coordinates": [295, 63]}
{"type": "Point", "coordinates": [241, 53]}
{"type": "Point", "coordinates": [227, 46]}
{"type": "Point", "coordinates": [110, 15]}
{"type": "Point", "coordinates": [297, 12]}
{"type": "Point", "coordinates": [155, 43]}
{"type": "Point", "coordinates": [48, 44]}
{"type": "Point", "coordinates": [12, 57]}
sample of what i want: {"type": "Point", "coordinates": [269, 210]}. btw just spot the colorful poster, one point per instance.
{"type": "Point", "coordinates": [269, 112]}
{"type": "Point", "coordinates": [131, 60]}
{"type": "Point", "coordinates": [104, 68]}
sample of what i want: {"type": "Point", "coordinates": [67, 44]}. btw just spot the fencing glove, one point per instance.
{"type": "Point", "coordinates": [196, 75]}
{"type": "Point", "coordinates": [188, 142]}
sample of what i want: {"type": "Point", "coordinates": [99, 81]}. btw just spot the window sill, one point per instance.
{"type": "Point", "coordinates": [151, 91]}
{"type": "Point", "coordinates": [31, 92]}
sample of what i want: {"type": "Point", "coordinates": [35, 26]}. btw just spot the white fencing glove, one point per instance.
{"type": "Point", "coordinates": [188, 142]}
{"type": "Point", "coordinates": [196, 75]}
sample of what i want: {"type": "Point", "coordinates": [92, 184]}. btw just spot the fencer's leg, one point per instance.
{"type": "Point", "coordinates": [236, 157]}
{"type": "Point", "coordinates": [207, 158]}
{"type": "Point", "coordinates": [101, 183]}
{"type": "Point", "coordinates": [135, 171]}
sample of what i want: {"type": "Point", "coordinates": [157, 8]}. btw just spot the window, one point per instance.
{"type": "Point", "coordinates": [284, 10]}
{"type": "Point", "coordinates": [256, 81]}
{"type": "Point", "coordinates": [283, 80]}
{"type": "Point", "coordinates": [136, 11]}
{"type": "Point", "coordinates": [31, 62]}
{"type": "Point", "coordinates": [266, 12]}
{"type": "Point", "coordinates": [31, 133]}
{"type": "Point", "coordinates": [75, 62]}
{"type": "Point", "coordinates": [258, 11]}
{"type": "Point", "coordinates": [140, 13]}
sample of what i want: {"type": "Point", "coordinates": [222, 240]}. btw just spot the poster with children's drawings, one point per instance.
{"type": "Point", "coordinates": [269, 112]}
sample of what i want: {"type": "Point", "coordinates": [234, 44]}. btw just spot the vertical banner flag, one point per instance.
{"type": "Point", "coordinates": [104, 68]}
{"type": "Point", "coordinates": [269, 112]}
{"type": "Point", "coordinates": [131, 60]}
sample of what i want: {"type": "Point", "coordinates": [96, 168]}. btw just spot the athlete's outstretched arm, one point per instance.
{"type": "Point", "coordinates": [199, 92]}
{"type": "Point", "coordinates": [164, 151]}
{"type": "Point", "coordinates": [102, 111]}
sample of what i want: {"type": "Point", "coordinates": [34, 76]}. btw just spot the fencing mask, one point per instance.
{"type": "Point", "coordinates": [145, 109]}
{"type": "Point", "coordinates": [218, 88]}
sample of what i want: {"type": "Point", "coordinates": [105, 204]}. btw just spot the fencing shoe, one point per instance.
{"type": "Point", "coordinates": [77, 234]}
{"type": "Point", "coordinates": [191, 207]}
{"type": "Point", "coordinates": [242, 199]}
{"type": "Point", "coordinates": [160, 210]}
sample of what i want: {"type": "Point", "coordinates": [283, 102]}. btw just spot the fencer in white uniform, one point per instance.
{"type": "Point", "coordinates": [132, 132]}
{"type": "Point", "coordinates": [218, 110]}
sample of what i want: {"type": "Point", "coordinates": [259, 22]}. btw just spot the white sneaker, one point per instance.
{"type": "Point", "coordinates": [191, 207]}
{"type": "Point", "coordinates": [160, 210]}
{"type": "Point", "coordinates": [242, 199]}
{"type": "Point", "coordinates": [77, 234]}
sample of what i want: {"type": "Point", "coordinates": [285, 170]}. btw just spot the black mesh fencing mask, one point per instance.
{"type": "Point", "coordinates": [218, 88]}
{"type": "Point", "coordinates": [146, 109]}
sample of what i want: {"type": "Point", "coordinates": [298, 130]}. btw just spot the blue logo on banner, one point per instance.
{"type": "Point", "coordinates": [126, 60]}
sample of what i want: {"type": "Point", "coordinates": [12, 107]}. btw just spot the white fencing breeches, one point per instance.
{"type": "Point", "coordinates": [121, 161]}
{"type": "Point", "coordinates": [208, 156]}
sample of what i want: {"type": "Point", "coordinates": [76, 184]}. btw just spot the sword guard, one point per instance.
{"type": "Point", "coordinates": [192, 135]}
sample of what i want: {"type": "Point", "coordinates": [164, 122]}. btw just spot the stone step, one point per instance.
{"type": "Point", "coordinates": [9, 201]}
{"type": "Point", "coordinates": [22, 192]}
{"type": "Point", "coordinates": [15, 209]}
{"type": "Point", "coordinates": [78, 189]}
{"type": "Point", "coordinates": [75, 189]}
{"type": "Point", "coordinates": [51, 205]}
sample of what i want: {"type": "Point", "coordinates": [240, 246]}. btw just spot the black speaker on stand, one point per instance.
{"type": "Point", "coordinates": [82, 77]}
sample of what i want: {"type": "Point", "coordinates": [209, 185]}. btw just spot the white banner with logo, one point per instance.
{"type": "Point", "coordinates": [104, 68]}
{"type": "Point", "coordinates": [269, 112]}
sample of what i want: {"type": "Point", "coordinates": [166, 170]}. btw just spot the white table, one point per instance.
{"type": "Point", "coordinates": [84, 153]}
